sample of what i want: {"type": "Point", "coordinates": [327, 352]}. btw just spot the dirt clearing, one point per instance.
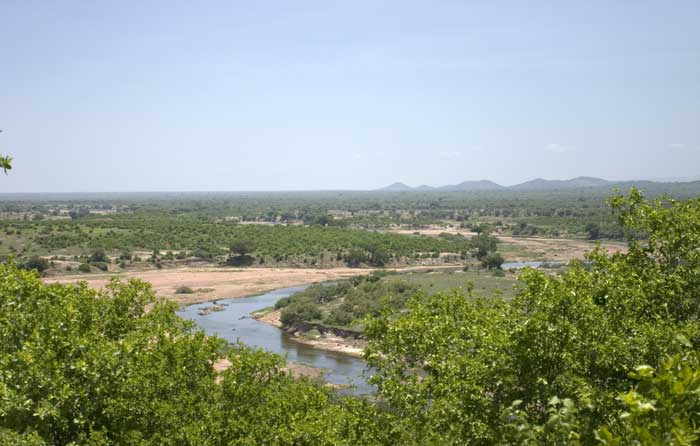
{"type": "Point", "coordinates": [540, 248]}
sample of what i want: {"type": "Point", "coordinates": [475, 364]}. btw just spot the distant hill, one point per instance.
{"type": "Point", "coordinates": [574, 183]}
{"type": "Point", "coordinates": [540, 184]}
{"type": "Point", "coordinates": [463, 186]}
{"type": "Point", "coordinates": [473, 185]}
{"type": "Point", "coordinates": [397, 187]}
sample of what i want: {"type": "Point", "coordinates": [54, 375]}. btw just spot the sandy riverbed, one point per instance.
{"type": "Point", "coordinates": [217, 283]}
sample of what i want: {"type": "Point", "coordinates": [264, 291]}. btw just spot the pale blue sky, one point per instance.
{"type": "Point", "coordinates": [169, 95]}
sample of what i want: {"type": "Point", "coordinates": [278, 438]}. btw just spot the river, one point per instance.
{"type": "Point", "coordinates": [234, 323]}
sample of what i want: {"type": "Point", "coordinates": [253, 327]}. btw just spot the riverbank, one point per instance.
{"type": "Point", "coordinates": [213, 283]}
{"type": "Point", "coordinates": [209, 284]}
{"type": "Point", "coordinates": [323, 341]}
{"type": "Point", "coordinates": [233, 322]}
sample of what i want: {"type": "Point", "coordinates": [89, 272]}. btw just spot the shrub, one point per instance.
{"type": "Point", "coordinates": [339, 316]}
{"type": "Point", "coordinates": [184, 290]}
{"type": "Point", "coordinates": [297, 312]}
{"type": "Point", "coordinates": [84, 268]}
{"type": "Point", "coordinates": [36, 263]}
{"type": "Point", "coordinates": [99, 255]}
{"type": "Point", "coordinates": [242, 247]}
{"type": "Point", "coordinates": [243, 260]}
{"type": "Point", "coordinates": [100, 265]}
{"type": "Point", "coordinates": [355, 257]}
{"type": "Point", "coordinates": [492, 260]}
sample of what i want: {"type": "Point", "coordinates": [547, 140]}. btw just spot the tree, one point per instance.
{"type": "Point", "coordinates": [483, 244]}
{"type": "Point", "coordinates": [493, 260]}
{"type": "Point", "coordinates": [355, 257]}
{"type": "Point", "coordinates": [99, 255]}
{"type": "Point", "coordinates": [5, 162]}
{"type": "Point", "coordinates": [242, 247]}
{"type": "Point", "coordinates": [593, 231]}
{"type": "Point", "coordinates": [663, 406]}
{"type": "Point", "coordinates": [79, 213]}
{"type": "Point", "coordinates": [377, 256]}
{"type": "Point", "coordinates": [38, 263]}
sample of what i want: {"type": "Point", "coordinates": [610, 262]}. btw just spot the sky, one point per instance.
{"type": "Point", "coordinates": [299, 95]}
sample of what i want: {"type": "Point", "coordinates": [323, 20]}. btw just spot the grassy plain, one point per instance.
{"type": "Point", "coordinates": [484, 283]}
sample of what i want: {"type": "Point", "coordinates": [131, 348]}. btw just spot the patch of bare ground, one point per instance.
{"type": "Point", "coordinates": [434, 231]}
{"type": "Point", "coordinates": [270, 317]}
{"type": "Point", "coordinates": [555, 248]}
{"type": "Point", "coordinates": [352, 347]}
{"type": "Point", "coordinates": [294, 369]}
{"type": "Point", "coordinates": [326, 341]}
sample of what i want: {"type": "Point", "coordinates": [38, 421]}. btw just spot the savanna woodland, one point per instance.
{"type": "Point", "coordinates": [600, 351]}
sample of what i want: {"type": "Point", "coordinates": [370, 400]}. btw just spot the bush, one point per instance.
{"type": "Point", "coordinates": [36, 263]}
{"type": "Point", "coordinates": [339, 316]}
{"type": "Point", "coordinates": [100, 265]}
{"type": "Point", "coordinates": [593, 231]}
{"type": "Point", "coordinates": [298, 312]}
{"type": "Point", "coordinates": [483, 244]}
{"type": "Point", "coordinates": [243, 260]}
{"type": "Point", "coordinates": [99, 255]}
{"type": "Point", "coordinates": [242, 247]}
{"type": "Point", "coordinates": [184, 290]}
{"type": "Point", "coordinates": [492, 260]}
{"type": "Point", "coordinates": [84, 268]}
{"type": "Point", "coordinates": [355, 257]}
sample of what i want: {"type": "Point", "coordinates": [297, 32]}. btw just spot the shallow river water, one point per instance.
{"type": "Point", "coordinates": [234, 323]}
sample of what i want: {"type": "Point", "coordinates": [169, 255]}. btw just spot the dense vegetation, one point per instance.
{"type": "Point", "coordinates": [344, 303]}
{"type": "Point", "coordinates": [604, 354]}
{"type": "Point", "coordinates": [347, 303]}
{"type": "Point", "coordinates": [116, 220]}
{"type": "Point", "coordinates": [79, 367]}
{"type": "Point", "coordinates": [457, 370]}
{"type": "Point", "coordinates": [123, 235]}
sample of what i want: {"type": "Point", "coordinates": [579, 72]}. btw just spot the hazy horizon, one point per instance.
{"type": "Point", "coordinates": [225, 96]}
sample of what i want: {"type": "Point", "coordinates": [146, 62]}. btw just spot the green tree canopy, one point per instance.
{"type": "Point", "coordinates": [81, 367]}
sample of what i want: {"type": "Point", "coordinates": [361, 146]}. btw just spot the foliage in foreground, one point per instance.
{"type": "Point", "coordinates": [81, 367]}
